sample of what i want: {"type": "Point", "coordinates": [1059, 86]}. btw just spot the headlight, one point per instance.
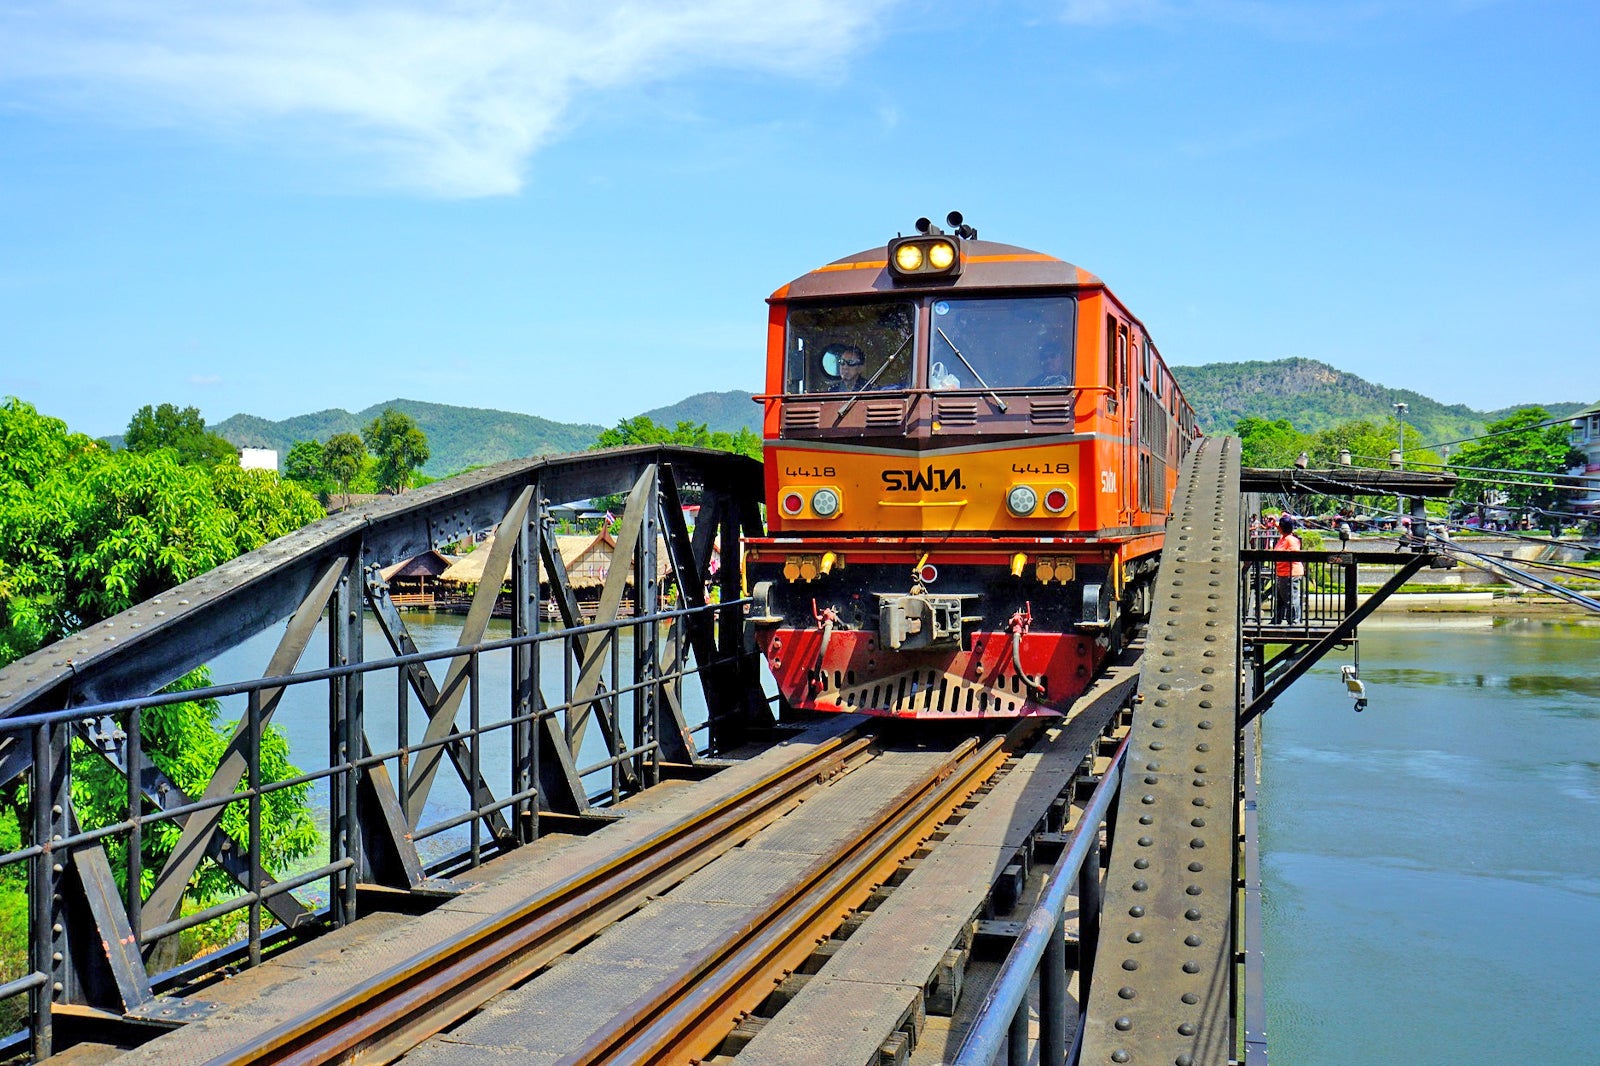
{"type": "Point", "coordinates": [825, 503]}
{"type": "Point", "coordinates": [1056, 500]}
{"type": "Point", "coordinates": [792, 503]}
{"type": "Point", "coordinates": [1022, 500]}
{"type": "Point", "coordinates": [928, 257]}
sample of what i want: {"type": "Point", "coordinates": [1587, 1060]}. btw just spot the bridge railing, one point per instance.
{"type": "Point", "coordinates": [632, 760]}
{"type": "Point", "coordinates": [420, 777]}
{"type": "Point", "coordinates": [1040, 951]}
{"type": "Point", "coordinates": [1319, 599]}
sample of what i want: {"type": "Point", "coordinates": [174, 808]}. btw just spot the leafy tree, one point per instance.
{"type": "Point", "coordinates": [1269, 443]}
{"type": "Point", "coordinates": [1520, 447]}
{"type": "Point", "coordinates": [86, 532]}
{"type": "Point", "coordinates": [342, 458]}
{"type": "Point", "coordinates": [305, 462]}
{"type": "Point", "coordinates": [642, 430]}
{"type": "Point", "coordinates": [182, 430]}
{"type": "Point", "coordinates": [399, 446]}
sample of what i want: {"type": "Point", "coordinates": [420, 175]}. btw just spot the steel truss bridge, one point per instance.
{"type": "Point", "coordinates": [704, 879]}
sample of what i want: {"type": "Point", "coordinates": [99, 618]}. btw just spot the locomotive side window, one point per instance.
{"type": "Point", "coordinates": [1001, 343]}
{"type": "Point", "coordinates": [823, 338]}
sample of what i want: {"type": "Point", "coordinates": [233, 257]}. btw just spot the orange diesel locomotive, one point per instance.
{"type": "Point", "coordinates": [971, 450]}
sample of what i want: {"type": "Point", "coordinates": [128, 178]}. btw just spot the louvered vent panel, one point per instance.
{"type": "Point", "coordinates": [957, 412]}
{"type": "Point", "coordinates": [1052, 412]}
{"type": "Point", "coordinates": [885, 413]}
{"type": "Point", "coordinates": [802, 416]}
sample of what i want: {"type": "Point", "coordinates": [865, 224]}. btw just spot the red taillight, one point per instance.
{"type": "Point", "coordinates": [792, 503]}
{"type": "Point", "coordinates": [929, 573]}
{"type": "Point", "coordinates": [1055, 500]}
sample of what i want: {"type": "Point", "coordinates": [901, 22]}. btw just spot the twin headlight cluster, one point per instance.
{"type": "Point", "coordinates": [1024, 500]}
{"type": "Point", "coordinates": [823, 502]}
{"type": "Point", "coordinates": [924, 258]}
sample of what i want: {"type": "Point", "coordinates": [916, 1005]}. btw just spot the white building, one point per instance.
{"type": "Point", "coordinates": [259, 459]}
{"type": "Point", "coordinates": [1586, 438]}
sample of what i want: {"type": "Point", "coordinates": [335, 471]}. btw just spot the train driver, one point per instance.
{"type": "Point", "coordinates": [849, 363]}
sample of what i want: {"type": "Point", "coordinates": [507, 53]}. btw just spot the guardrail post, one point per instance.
{"type": "Point", "coordinates": [344, 740]}
{"type": "Point", "coordinates": [51, 797]}
{"type": "Point", "coordinates": [1053, 997]}
{"type": "Point", "coordinates": [1090, 901]}
{"type": "Point", "coordinates": [646, 601]}
{"type": "Point", "coordinates": [253, 747]}
{"type": "Point", "coordinates": [525, 616]}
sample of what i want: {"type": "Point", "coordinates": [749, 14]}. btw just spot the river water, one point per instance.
{"type": "Point", "coordinates": [1431, 866]}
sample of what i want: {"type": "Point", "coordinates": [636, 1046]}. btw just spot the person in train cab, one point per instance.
{"type": "Point", "coordinates": [849, 363]}
{"type": "Point", "coordinates": [1286, 589]}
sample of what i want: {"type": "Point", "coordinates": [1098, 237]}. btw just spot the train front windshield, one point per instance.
{"type": "Point", "coordinates": [970, 343]}
{"type": "Point", "coordinates": [1001, 343]}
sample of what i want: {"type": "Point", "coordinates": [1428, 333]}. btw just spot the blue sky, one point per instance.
{"type": "Point", "coordinates": [576, 209]}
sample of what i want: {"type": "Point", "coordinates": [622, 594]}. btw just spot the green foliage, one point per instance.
{"type": "Point", "coordinates": [343, 457]}
{"type": "Point", "coordinates": [1526, 450]}
{"type": "Point", "coordinates": [399, 446]}
{"type": "Point", "coordinates": [182, 431]}
{"type": "Point", "coordinates": [306, 466]}
{"type": "Point", "coordinates": [1314, 396]}
{"type": "Point", "coordinates": [187, 741]}
{"type": "Point", "coordinates": [86, 532]}
{"type": "Point", "coordinates": [98, 531]}
{"type": "Point", "coordinates": [1269, 443]}
{"type": "Point", "coordinates": [642, 430]}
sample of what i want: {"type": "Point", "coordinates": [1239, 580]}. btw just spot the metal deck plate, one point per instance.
{"type": "Point", "coordinates": [576, 1000]}
{"type": "Point", "coordinates": [814, 827]}
{"type": "Point", "coordinates": [848, 1024]}
{"type": "Point", "coordinates": [1161, 992]}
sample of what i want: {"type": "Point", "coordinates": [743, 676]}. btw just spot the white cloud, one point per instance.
{"type": "Point", "coordinates": [453, 96]}
{"type": "Point", "coordinates": [205, 380]}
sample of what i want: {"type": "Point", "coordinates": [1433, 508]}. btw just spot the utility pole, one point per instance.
{"type": "Point", "coordinates": [1397, 458]}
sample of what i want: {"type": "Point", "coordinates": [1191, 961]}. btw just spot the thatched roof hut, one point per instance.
{"type": "Point", "coordinates": [587, 558]}
{"type": "Point", "coordinates": [429, 564]}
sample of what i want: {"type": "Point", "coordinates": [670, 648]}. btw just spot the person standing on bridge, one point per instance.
{"type": "Point", "coordinates": [1286, 591]}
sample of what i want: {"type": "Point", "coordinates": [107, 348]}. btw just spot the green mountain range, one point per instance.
{"type": "Point", "coordinates": [1314, 396]}
{"type": "Point", "coordinates": [458, 437]}
{"type": "Point", "coordinates": [1311, 395]}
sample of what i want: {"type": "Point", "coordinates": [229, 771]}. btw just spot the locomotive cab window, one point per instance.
{"type": "Point", "coordinates": [849, 348]}
{"type": "Point", "coordinates": [1001, 343]}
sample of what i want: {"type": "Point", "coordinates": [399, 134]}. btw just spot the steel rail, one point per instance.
{"type": "Point", "coordinates": [386, 1015]}
{"type": "Point", "coordinates": [689, 1020]}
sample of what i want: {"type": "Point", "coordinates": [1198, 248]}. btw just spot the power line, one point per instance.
{"type": "Point", "coordinates": [1519, 429]}
{"type": "Point", "coordinates": [1488, 469]}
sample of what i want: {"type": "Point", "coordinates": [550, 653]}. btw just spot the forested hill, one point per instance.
{"type": "Point", "coordinates": [726, 412]}
{"type": "Point", "coordinates": [1315, 396]}
{"type": "Point", "coordinates": [458, 437]}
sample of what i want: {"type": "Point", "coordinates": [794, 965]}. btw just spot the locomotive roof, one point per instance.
{"type": "Point", "coordinates": [984, 265]}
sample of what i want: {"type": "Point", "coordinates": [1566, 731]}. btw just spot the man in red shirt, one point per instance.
{"type": "Point", "coordinates": [1286, 593]}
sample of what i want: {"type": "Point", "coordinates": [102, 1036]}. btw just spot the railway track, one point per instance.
{"type": "Point", "coordinates": [383, 1017]}
{"type": "Point", "coordinates": [677, 1015]}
